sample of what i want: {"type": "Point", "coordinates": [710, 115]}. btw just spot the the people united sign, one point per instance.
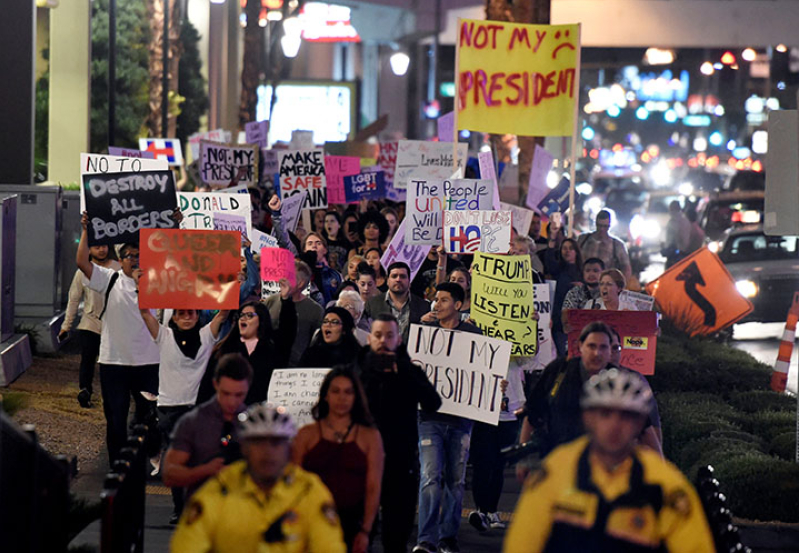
{"type": "Point", "coordinates": [518, 79]}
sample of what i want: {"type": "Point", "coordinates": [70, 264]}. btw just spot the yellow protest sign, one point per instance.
{"type": "Point", "coordinates": [502, 300]}
{"type": "Point", "coordinates": [517, 79]}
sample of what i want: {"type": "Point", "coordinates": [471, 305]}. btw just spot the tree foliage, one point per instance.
{"type": "Point", "coordinates": [191, 84]}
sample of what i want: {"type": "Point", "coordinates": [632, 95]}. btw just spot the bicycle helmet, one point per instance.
{"type": "Point", "coordinates": [264, 420]}
{"type": "Point", "coordinates": [615, 389]}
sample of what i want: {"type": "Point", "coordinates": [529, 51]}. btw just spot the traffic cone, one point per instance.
{"type": "Point", "coordinates": [779, 378]}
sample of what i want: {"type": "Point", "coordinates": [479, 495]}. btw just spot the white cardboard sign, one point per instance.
{"type": "Point", "coordinates": [297, 390]}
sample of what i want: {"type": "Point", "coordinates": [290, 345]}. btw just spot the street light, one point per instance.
{"type": "Point", "coordinates": [399, 61]}
{"type": "Point", "coordinates": [292, 37]}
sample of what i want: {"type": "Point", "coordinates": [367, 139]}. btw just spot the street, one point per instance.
{"type": "Point", "coordinates": [762, 340]}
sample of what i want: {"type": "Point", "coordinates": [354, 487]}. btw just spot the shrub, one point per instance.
{"type": "Point", "coordinates": [759, 487]}
{"type": "Point", "coordinates": [755, 401]}
{"type": "Point", "coordinates": [770, 424]}
{"type": "Point", "coordinates": [784, 446]}
{"type": "Point", "coordinates": [704, 451]}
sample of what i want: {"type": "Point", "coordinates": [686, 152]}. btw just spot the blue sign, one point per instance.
{"type": "Point", "coordinates": [557, 200]}
{"type": "Point", "coordinates": [365, 186]}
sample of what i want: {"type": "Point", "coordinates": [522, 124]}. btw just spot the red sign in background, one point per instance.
{"type": "Point", "coordinates": [638, 331]}
{"type": "Point", "coordinates": [189, 269]}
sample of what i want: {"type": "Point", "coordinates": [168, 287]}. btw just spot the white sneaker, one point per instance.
{"type": "Point", "coordinates": [495, 522]}
{"type": "Point", "coordinates": [156, 464]}
{"type": "Point", "coordinates": [479, 521]}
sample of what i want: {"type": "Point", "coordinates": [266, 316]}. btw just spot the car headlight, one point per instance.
{"type": "Point", "coordinates": [713, 247]}
{"type": "Point", "coordinates": [648, 228]}
{"type": "Point", "coordinates": [747, 288]}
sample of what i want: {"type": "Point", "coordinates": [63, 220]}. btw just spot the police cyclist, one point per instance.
{"type": "Point", "coordinates": [262, 503]}
{"type": "Point", "coordinates": [604, 493]}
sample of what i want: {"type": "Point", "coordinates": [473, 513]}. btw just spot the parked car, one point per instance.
{"type": "Point", "coordinates": [765, 269]}
{"type": "Point", "coordinates": [721, 211]}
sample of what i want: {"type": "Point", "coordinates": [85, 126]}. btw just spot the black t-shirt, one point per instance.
{"type": "Point", "coordinates": [337, 252]}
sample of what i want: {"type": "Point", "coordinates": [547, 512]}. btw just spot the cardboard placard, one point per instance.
{"type": "Point", "coordinates": [291, 209]}
{"type": "Point", "coordinates": [226, 221]}
{"type": "Point", "coordinates": [477, 231]}
{"type": "Point", "coordinates": [260, 240]}
{"type": "Point", "coordinates": [487, 171]}
{"type": "Point", "coordinates": [216, 135]}
{"type": "Point", "coordinates": [400, 250]}
{"type": "Point", "coordinates": [556, 200]}
{"type": "Point", "coordinates": [446, 127]}
{"type": "Point", "coordinates": [277, 263]}
{"type": "Point", "coordinates": [257, 132]}
{"type": "Point", "coordinates": [537, 184]}
{"type": "Point", "coordinates": [465, 369]}
{"type": "Point", "coordinates": [163, 148]}
{"type": "Point", "coordinates": [388, 160]}
{"type": "Point", "coordinates": [635, 301]}
{"type": "Point", "coordinates": [369, 185]}
{"type": "Point", "coordinates": [127, 152]}
{"type": "Point", "coordinates": [221, 164]}
{"type": "Point", "coordinates": [502, 300]}
{"type": "Point", "coordinates": [199, 207]}
{"type": "Point", "coordinates": [426, 160]}
{"type": "Point", "coordinates": [428, 198]}
{"type": "Point", "coordinates": [699, 295]}
{"type": "Point", "coordinates": [303, 171]}
{"type": "Point", "coordinates": [297, 390]}
{"type": "Point", "coordinates": [532, 71]}
{"type": "Point", "coordinates": [522, 218]}
{"type": "Point", "coordinates": [94, 164]}
{"type": "Point", "coordinates": [189, 269]}
{"type": "Point", "coordinates": [121, 204]}
{"type": "Point", "coordinates": [638, 331]}
{"type": "Point", "coordinates": [336, 168]}
{"type": "Point", "coordinates": [542, 300]}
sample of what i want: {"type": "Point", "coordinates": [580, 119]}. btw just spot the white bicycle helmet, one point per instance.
{"type": "Point", "coordinates": [264, 420]}
{"type": "Point", "coordinates": [615, 389]}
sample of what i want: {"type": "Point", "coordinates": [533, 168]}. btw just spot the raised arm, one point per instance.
{"type": "Point", "coordinates": [217, 321]}
{"type": "Point", "coordinates": [150, 322]}
{"type": "Point", "coordinates": [82, 257]}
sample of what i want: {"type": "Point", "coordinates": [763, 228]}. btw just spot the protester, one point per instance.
{"type": "Point", "coordinates": [372, 233]}
{"type": "Point", "coordinates": [335, 343]}
{"type": "Point", "coordinates": [678, 235]}
{"type": "Point", "coordinates": [318, 221]}
{"type": "Point", "coordinates": [398, 301]}
{"type": "Point", "coordinates": [566, 267]}
{"type": "Point", "coordinates": [264, 347]}
{"type": "Point", "coordinates": [309, 313]}
{"type": "Point", "coordinates": [697, 239]}
{"type": "Point", "coordinates": [351, 229]}
{"type": "Point", "coordinates": [601, 492]}
{"type": "Point", "coordinates": [204, 439]}
{"type": "Point", "coordinates": [523, 245]}
{"type": "Point", "coordinates": [263, 502]}
{"type": "Point", "coordinates": [352, 302]}
{"type": "Point", "coordinates": [345, 449]}
{"type": "Point", "coordinates": [603, 245]}
{"type": "Point", "coordinates": [346, 285]}
{"type": "Point", "coordinates": [352, 267]}
{"type": "Point", "coordinates": [337, 244]}
{"type": "Point", "coordinates": [584, 291]}
{"type": "Point", "coordinates": [395, 387]}
{"type": "Point", "coordinates": [326, 278]}
{"type": "Point", "coordinates": [90, 326]}
{"type": "Point", "coordinates": [611, 283]}
{"type": "Point", "coordinates": [436, 265]}
{"type": "Point", "coordinates": [372, 258]}
{"type": "Point", "coordinates": [393, 223]}
{"type": "Point", "coordinates": [128, 356]}
{"type": "Point", "coordinates": [185, 349]}
{"type": "Point", "coordinates": [443, 449]}
{"type": "Point", "coordinates": [367, 281]}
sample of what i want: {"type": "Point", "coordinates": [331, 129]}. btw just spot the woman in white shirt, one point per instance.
{"type": "Point", "coordinates": [611, 283]}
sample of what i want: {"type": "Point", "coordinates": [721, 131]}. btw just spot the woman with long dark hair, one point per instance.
{"type": "Point", "coordinates": [338, 246]}
{"type": "Point", "coordinates": [345, 449]}
{"type": "Point", "coordinates": [335, 343]}
{"type": "Point", "coordinates": [372, 233]}
{"type": "Point", "coordinates": [566, 267]}
{"type": "Point", "coordinates": [253, 336]}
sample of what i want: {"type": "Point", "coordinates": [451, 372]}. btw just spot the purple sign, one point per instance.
{"type": "Point", "coordinates": [224, 221]}
{"type": "Point", "coordinates": [446, 127]}
{"type": "Point", "coordinates": [365, 186]}
{"type": "Point", "coordinates": [399, 250]}
{"type": "Point", "coordinates": [537, 185]}
{"type": "Point", "coordinates": [127, 152]}
{"type": "Point", "coordinates": [257, 132]}
{"type": "Point", "coordinates": [486, 161]}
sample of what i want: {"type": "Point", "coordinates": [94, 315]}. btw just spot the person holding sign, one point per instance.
{"type": "Point", "coordinates": [603, 493]}
{"type": "Point", "coordinates": [335, 344]}
{"type": "Point", "coordinates": [344, 448]}
{"type": "Point", "coordinates": [185, 349]}
{"type": "Point", "coordinates": [395, 389]}
{"type": "Point", "coordinates": [443, 449]}
{"type": "Point", "coordinates": [611, 283]}
{"type": "Point", "coordinates": [584, 291]}
{"type": "Point", "coordinates": [326, 278]}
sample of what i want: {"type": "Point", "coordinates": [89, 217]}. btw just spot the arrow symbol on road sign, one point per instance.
{"type": "Point", "coordinates": [693, 278]}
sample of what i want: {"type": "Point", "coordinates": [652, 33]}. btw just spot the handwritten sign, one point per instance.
{"type": "Point", "coordinates": [291, 209]}
{"type": "Point", "coordinates": [189, 269]}
{"type": "Point", "coordinates": [487, 171]}
{"type": "Point", "coordinates": [517, 79]}
{"type": "Point", "coordinates": [428, 199]}
{"type": "Point", "coordinates": [537, 184]}
{"type": "Point", "coordinates": [257, 132]}
{"type": "Point", "coordinates": [260, 240]}
{"type": "Point", "coordinates": [215, 135]}
{"type": "Point", "coordinates": [220, 164]}
{"type": "Point", "coordinates": [199, 207]}
{"type": "Point", "coordinates": [226, 221]}
{"type": "Point", "coordinates": [522, 218]}
{"type": "Point", "coordinates": [303, 171]}
{"type": "Point", "coordinates": [163, 148]}
{"type": "Point", "coordinates": [426, 160]}
{"type": "Point", "coordinates": [637, 329]}
{"type": "Point", "coordinates": [446, 127]}
{"type": "Point", "coordinates": [297, 390]}
{"type": "Point", "coordinates": [369, 185]}
{"type": "Point", "coordinates": [277, 263]}
{"type": "Point", "coordinates": [387, 159]}
{"type": "Point", "coordinates": [542, 302]}
{"type": "Point", "coordinates": [270, 166]}
{"type": "Point", "coordinates": [119, 205]}
{"type": "Point", "coordinates": [400, 250]}
{"type": "Point", "coordinates": [336, 168]}
{"type": "Point", "coordinates": [477, 231]}
{"type": "Point", "coordinates": [94, 164]}
{"type": "Point", "coordinates": [502, 300]}
{"type": "Point", "coordinates": [464, 368]}
{"type": "Point", "coordinates": [127, 152]}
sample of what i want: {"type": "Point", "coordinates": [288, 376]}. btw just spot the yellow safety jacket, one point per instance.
{"type": "Point", "coordinates": [230, 513]}
{"type": "Point", "coordinates": [574, 504]}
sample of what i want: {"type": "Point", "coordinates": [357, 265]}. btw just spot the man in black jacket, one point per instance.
{"type": "Point", "coordinates": [398, 301]}
{"type": "Point", "coordinates": [395, 387]}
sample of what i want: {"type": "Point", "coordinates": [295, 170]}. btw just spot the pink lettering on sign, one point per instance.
{"type": "Point", "coordinates": [336, 168]}
{"type": "Point", "coordinates": [388, 159]}
{"type": "Point", "coordinates": [277, 263]}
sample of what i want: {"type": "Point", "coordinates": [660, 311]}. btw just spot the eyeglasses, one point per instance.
{"type": "Point", "coordinates": [130, 256]}
{"type": "Point", "coordinates": [248, 315]}
{"type": "Point", "coordinates": [334, 322]}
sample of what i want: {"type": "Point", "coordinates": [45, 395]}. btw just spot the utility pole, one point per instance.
{"type": "Point", "coordinates": [530, 12]}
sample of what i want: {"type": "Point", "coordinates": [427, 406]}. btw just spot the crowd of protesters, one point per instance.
{"type": "Point", "coordinates": [377, 443]}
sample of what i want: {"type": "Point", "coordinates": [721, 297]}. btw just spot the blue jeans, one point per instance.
{"type": "Point", "coordinates": [443, 452]}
